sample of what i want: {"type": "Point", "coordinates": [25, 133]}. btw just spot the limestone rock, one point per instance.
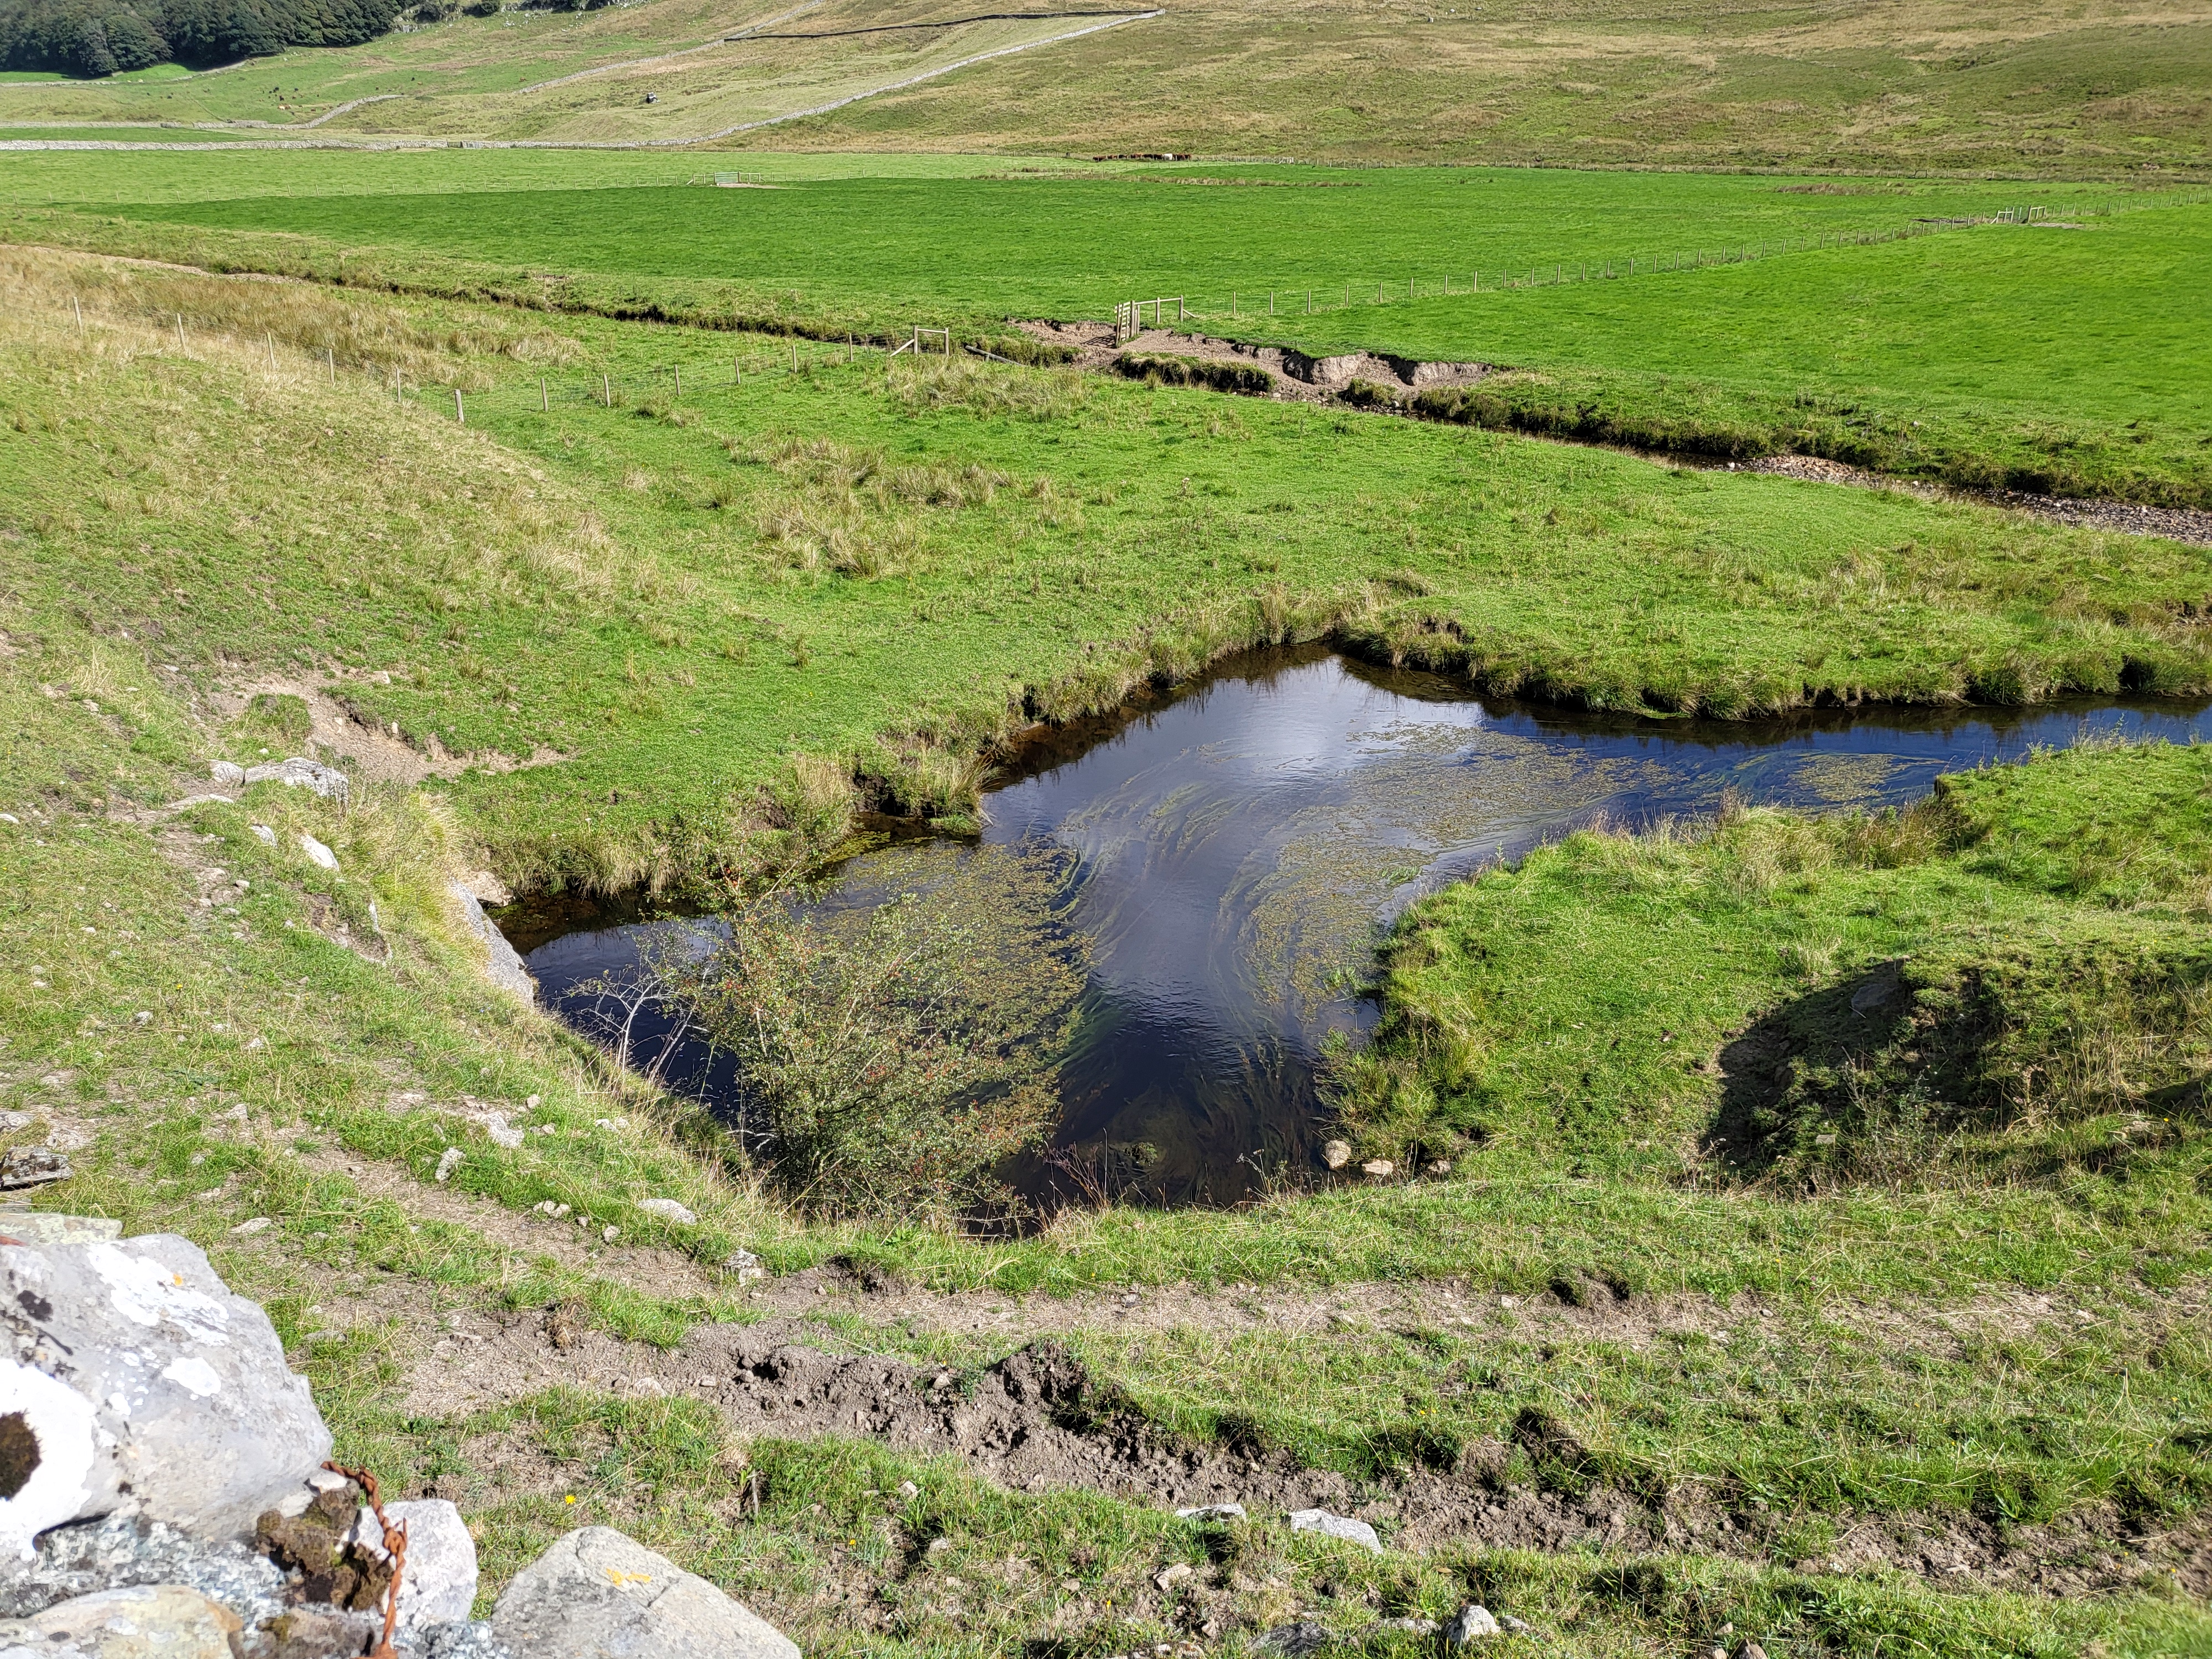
{"type": "Point", "coordinates": [438, 1586]}
{"type": "Point", "coordinates": [502, 1133]}
{"type": "Point", "coordinates": [1472, 1621]}
{"type": "Point", "coordinates": [46, 1227]}
{"type": "Point", "coordinates": [1336, 1525]}
{"type": "Point", "coordinates": [1378, 1167]}
{"type": "Point", "coordinates": [146, 1621]}
{"type": "Point", "coordinates": [32, 1166]}
{"type": "Point", "coordinates": [1307, 1636]}
{"type": "Point", "coordinates": [317, 853]}
{"type": "Point", "coordinates": [137, 1381]}
{"type": "Point", "coordinates": [299, 773]}
{"type": "Point", "coordinates": [599, 1595]}
{"type": "Point", "coordinates": [1336, 1154]}
{"type": "Point", "coordinates": [505, 969]}
{"type": "Point", "coordinates": [229, 774]}
{"type": "Point", "coordinates": [1213, 1512]}
{"type": "Point", "coordinates": [116, 1551]}
{"type": "Point", "coordinates": [668, 1210]}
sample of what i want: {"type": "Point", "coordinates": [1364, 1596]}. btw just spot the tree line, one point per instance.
{"type": "Point", "coordinates": [104, 37]}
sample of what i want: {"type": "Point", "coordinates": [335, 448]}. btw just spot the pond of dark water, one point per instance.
{"type": "Point", "coordinates": [1242, 843]}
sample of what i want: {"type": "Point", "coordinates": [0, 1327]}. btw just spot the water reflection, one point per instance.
{"type": "Point", "coordinates": [1242, 843]}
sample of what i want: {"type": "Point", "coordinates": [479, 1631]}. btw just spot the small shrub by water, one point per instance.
{"type": "Point", "coordinates": [890, 1059]}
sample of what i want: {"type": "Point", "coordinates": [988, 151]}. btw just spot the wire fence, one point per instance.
{"type": "Point", "coordinates": [1133, 317]}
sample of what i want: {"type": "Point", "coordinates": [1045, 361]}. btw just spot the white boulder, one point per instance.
{"type": "Point", "coordinates": [132, 1381]}
{"type": "Point", "coordinates": [1336, 1525]}
{"type": "Point", "coordinates": [439, 1585]}
{"type": "Point", "coordinates": [598, 1593]}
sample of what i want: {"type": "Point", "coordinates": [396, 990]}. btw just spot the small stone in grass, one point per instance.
{"type": "Point", "coordinates": [246, 1229]}
{"type": "Point", "coordinates": [449, 1161]}
{"type": "Point", "coordinates": [668, 1210]}
{"type": "Point", "coordinates": [1473, 1621]}
{"type": "Point", "coordinates": [1336, 1154]}
{"type": "Point", "coordinates": [1336, 1525]}
{"type": "Point", "coordinates": [1168, 1577]}
{"type": "Point", "coordinates": [1378, 1167]}
{"type": "Point", "coordinates": [317, 853]}
{"type": "Point", "coordinates": [608, 1235]}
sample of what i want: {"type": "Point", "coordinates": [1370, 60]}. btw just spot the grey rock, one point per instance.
{"type": "Point", "coordinates": [317, 853]}
{"type": "Point", "coordinates": [115, 1551]}
{"type": "Point", "coordinates": [669, 1210]}
{"type": "Point", "coordinates": [299, 773]}
{"type": "Point", "coordinates": [448, 1160]}
{"type": "Point", "coordinates": [46, 1227]}
{"type": "Point", "coordinates": [1213, 1512]}
{"type": "Point", "coordinates": [317, 1633]}
{"type": "Point", "coordinates": [1473, 1622]}
{"type": "Point", "coordinates": [229, 774]}
{"type": "Point", "coordinates": [32, 1166]}
{"type": "Point", "coordinates": [505, 969]}
{"type": "Point", "coordinates": [1418, 1626]}
{"type": "Point", "coordinates": [142, 1385]}
{"type": "Point", "coordinates": [459, 1640]}
{"type": "Point", "coordinates": [502, 1133]}
{"type": "Point", "coordinates": [1336, 1525]}
{"type": "Point", "coordinates": [1171, 1575]}
{"type": "Point", "coordinates": [263, 834]}
{"type": "Point", "coordinates": [599, 1594]}
{"type": "Point", "coordinates": [1513, 1626]}
{"type": "Point", "coordinates": [1304, 1636]}
{"type": "Point", "coordinates": [746, 1266]}
{"type": "Point", "coordinates": [439, 1585]}
{"type": "Point", "coordinates": [147, 1621]}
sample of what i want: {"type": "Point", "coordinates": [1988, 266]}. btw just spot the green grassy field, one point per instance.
{"type": "Point", "coordinates": [2060, 358]}
{"type": "Point", "coordinates": [1831, 1180]}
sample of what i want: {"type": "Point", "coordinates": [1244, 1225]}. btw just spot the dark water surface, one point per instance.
{"type": "Point", "coordinates": [1243, 842]}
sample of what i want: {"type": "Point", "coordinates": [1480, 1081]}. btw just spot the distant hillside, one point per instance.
{"type": "Point", "coordinates": [2042, 88]}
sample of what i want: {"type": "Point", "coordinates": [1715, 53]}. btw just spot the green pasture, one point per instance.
{"type": "Point", "coordinates": [2096, 319]}
{"type": "Point", "coordinates": [1722, 315]}
{"type": "Point", "coordinates": [1053, 246]}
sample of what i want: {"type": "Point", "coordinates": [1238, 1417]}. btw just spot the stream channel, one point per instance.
{"type": "Point", "coordinates": [1242, 841]}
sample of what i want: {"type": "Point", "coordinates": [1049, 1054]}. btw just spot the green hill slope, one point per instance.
{"type": "Point", "coordinates": [2042, 88]}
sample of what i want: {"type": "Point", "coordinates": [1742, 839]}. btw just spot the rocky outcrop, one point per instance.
{"type": "Point", "coordinates": [296, 773]}
{"type": "Point", "coordinates": [505, 967]}
{"type": "Point", "coordinates": [132, 1380]}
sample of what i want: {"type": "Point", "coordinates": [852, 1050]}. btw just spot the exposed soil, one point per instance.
{"type": "Point", "coordinates": [1294, 376]}
{"type": "Point", "coordinates": [363, 749]}
{"type": "Point", "coordinates": [1036, 1421]}
{"type": "Point", "coordinates": [2182, 524]}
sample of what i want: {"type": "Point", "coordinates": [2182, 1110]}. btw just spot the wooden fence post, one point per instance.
{"type": "Point", "coordinates": [459, 414]}
{"type": "Point", "coordinates": [607, 390]}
